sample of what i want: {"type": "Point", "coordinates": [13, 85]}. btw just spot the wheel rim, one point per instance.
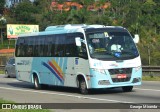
{"type": "Point", "coordinates": [36, 83]}
{"type": "Point", "coordinates": [83, 87]}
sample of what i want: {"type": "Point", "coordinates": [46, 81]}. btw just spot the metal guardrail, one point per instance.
{"type": "Point", "coordinates": [2, 67]}
{"type": "Point", "coordinates": [144, 68]}
{"type": "Point", "coordinates": [151, 68]}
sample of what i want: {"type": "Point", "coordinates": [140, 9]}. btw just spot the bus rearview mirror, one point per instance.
{"type": "Point", "coordinates": [136, 38]}
{"type": "Point", "coordinates": [78, 41]}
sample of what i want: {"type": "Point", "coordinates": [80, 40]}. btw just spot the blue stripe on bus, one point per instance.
{"type": "Point", "coordinates": [52, 70]}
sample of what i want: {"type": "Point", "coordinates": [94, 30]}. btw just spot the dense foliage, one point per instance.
{"type": "Point", "coordinates": [138, 16]}
{"type": "Point", "coordinates": [2, 6]}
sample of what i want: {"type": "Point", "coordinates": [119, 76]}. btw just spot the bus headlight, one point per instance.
{"type": "Point", "coordinates": [102, 71]}
{"type": "Point", "coordinates": [138, 68]}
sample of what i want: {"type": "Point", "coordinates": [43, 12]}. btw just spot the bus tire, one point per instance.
{"type": "Point", "coordinates": [127, 88]}
{"type": "Point", "coordinates": [36, 83]}
{"type": "Point", "coordinates": [83, 87]}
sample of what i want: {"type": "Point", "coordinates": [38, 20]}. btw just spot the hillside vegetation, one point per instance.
{"type": "Point", "coordinates": [138, 16]}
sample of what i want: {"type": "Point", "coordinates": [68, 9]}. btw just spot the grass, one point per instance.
{"type": "Point", "coordinates": [1, 72]}
{"type": "Point", "coordinates": [5, 101]}
{"type": "Point", "coordinates": [151, 78]}
{"type": "Point", "coordinates": [7, 44]}
{"type": "Point", "coordinates": [24, 110]}
{"type": "Point", "coordinates": [2, 101]}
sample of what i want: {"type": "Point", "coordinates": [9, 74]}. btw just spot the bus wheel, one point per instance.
{"type": "Point", "coordinates": [83, 87]}
{"type": "Point", "coordinates": [36, 83]}
{"type": "Point", "coordinates": [127, 88]}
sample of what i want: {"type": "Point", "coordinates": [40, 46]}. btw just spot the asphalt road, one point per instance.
{"type": "Point", "coordinates": [22, 92]}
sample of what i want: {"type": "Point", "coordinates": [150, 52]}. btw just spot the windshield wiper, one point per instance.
{"type": "Point", "coordinates": [129, 52]}
{"type": "Point", "coordinates": [114, 54]}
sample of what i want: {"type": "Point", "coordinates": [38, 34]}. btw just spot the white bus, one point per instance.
{"type": "Point", "coordinates": [82, 56]}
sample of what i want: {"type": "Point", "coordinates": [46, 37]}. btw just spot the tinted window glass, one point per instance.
{"type": "Point", "coordinates": [57, 45]}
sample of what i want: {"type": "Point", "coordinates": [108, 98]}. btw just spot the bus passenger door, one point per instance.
{"type": "Point", "coordinates": [81, 62]}
{"type": "Point", "coordinates": [70, 73]}
{"type": "Point", "coordinates": [70, 54]}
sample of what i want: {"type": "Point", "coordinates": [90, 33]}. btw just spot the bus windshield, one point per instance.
{"type": "Point", "coordinates": [111, 45]}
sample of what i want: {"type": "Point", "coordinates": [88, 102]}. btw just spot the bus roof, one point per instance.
{"type": "Point", "coordinates": [69, 28]}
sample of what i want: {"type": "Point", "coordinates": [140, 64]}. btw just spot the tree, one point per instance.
{"type": "Point", "coordinates": [2, 3]}
{"type": "Point", "coordinates": [24, 12]}
{"type": "Point", "coordinates": [138, 16]}
{"type": "Point", "coordinates": [43, 6]}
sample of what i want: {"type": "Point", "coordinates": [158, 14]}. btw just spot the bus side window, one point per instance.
{"type": "Point", "coordinates": [36, 50]}
{"type": "Point", "coordinates": [20, 48]}
{"type": "Point", "coordinates": [41, 46]}
{"type": "Point", "coordinates": [60, 45]}
{"type": "Point", "coordinates": [83, 51]}
{"type": "Point", "coordinates": [49, 49]}
{"type": "Point", "coordinates": [71, 50]}
{"type": "Point", "coordinates": [52, 50]}
{"type": "Point", "coordinates": [30, 51]}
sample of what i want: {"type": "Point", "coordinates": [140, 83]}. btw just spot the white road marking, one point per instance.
{"type": "Point", "coordinates": [147, 89]}
{"type": "Point", "coordinates": [60, 94]}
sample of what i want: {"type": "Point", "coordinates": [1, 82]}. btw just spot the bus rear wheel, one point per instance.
{"type": "Point", "coordinates": [36, 83]}
{"type": "Point", "coordinates": [83, 87]}
{"type": "Point", "coordinates": [127, 88]}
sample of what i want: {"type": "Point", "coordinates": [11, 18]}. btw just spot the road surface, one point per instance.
{"type": "Point", "coordinates": [23, 92]}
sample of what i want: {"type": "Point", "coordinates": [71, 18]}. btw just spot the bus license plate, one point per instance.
{"type": "Point", "coordinates": [121, 76]}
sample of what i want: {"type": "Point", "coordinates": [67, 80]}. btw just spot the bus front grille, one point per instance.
{"type": "Point", "coordinates": [121, 80]}
{"type": "Point", "coordinates": [119, 71]}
